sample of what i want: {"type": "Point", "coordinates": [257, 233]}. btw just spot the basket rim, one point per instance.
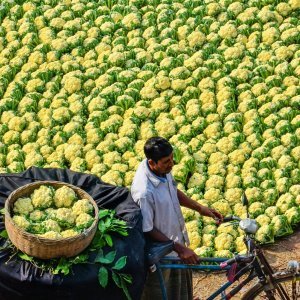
{"type": "Point", "coordinates": [79, 236]}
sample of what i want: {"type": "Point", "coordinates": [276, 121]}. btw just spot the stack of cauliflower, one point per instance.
{"type": "Point", "coordinates": [53, 213]}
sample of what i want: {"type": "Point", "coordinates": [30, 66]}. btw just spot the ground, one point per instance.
{"type": "Point", "coordinates": [285, 249]}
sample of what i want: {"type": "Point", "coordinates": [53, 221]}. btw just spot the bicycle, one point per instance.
{"type": "Point", "coordinates": [269, 285]}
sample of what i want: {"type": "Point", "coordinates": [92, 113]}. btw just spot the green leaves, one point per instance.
{"type": "Point", "coordinates": [121, 280]}
{"type": "Point", "coordinates": [120, 264]}
{"type": "Point", "coordinates": [4, 234]}
{"type": "Point", "coordinates": [26, 257]}
{"type": "Point", "coordinates": [103, 276]}
{"type": "Point", "coordinates": [103, 213]}
{"type": "Point", "coordinates": [107, 259]}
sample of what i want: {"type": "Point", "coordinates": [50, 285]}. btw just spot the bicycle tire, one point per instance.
{"type": "Point", "coordinates": [257, 291]}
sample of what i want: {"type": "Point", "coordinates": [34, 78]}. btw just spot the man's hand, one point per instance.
{"type": "Point", "coordinates": [187, 255]}
{"type": "Point", "coordinates": [210, 212]}
{"type": "Point", "coordinates": [203, 210]}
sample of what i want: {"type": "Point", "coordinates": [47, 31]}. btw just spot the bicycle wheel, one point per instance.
{"type": "Point", "coordinates": [290, 283]}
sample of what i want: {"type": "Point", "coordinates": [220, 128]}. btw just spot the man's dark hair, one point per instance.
{"type": "Point", "coordinates": [156, 148]}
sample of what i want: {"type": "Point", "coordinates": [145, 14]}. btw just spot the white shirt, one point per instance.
{"type": "Point", "coordinates": [159, 203]}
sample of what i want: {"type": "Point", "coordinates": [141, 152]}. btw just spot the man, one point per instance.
{"type": "Point", "coordinates": [155, 191]}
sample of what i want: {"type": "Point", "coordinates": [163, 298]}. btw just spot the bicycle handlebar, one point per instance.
{"type": "Point", "coordinates": [237, 258]}
{"type": "Point", "coordinates": [231, 218]}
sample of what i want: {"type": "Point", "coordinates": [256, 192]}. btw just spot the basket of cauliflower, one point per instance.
{"type": "Point", "coordinates": [50, 219]}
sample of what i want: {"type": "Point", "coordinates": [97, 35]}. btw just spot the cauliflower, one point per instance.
{"type": "Point", "coordinates": [42, 197]}
{"type": "Point", "coordinates": [224, 241]}
{"type": "Point", "coordinates": [214, 181]}
{"type": "Point", "coordinates": [281, 225]}
{"type": "Point", "coordinates": [256, 209]}
{"type": "Point", "coordinates": [53, 235]}
{"type": "Point", "coordinates": [69, 233]}
{"type": "Point", "coordinates": [21, 222]}
{"type": "Point", "coordinates": [240, 245]}
{"type": "Point", "coordinates": [227, 228]}
{"type": "Point", "coordinates": [272, 211]}
{"type": "Point", "coordinates": [188, 214]}
{"type": "Point", "coordinates": [51, 225]}
{"type": "Point", "coordinates": [293, 215]}
{"type": "Point", "coordinates": [265, 234]}
{"type": "Point", "coordinates": [263, 220]}
{"type": "Point", "coordinates": [37, 215]}
{"type": "Point", "coordinates": [233, 195]}
{"type": "Point", "coordinates": [84, 220]}
{"type": "Point", "coordinates": [285, 202]}
{"type": "Point", "coordinates": [23, 206]}
{"type": "Point", "coordinates": [204, 251]}
{"type": "Point", "coordinates": [51, 212]}
{"type": "Point", "coordinates": [82, 206]}
{"type": "Point", "coordinates": [193, 233]}
{"type": "Point", "coordinates": [64, 197]}
{"type": "Point", "coordinates": [240, 210]}
{"type": "Point", "coordinates": [223, 207]}
{"type": "Point", "coordinates": [208, 240]}
{"type": "Point", "coordinates": [65, 217]}
{"type": "Point", "coordinates": [213, 195]}
{"type": "Point", "coordinates": [223, 254]}
{"type": "Point", "coordinates": [210, 229]}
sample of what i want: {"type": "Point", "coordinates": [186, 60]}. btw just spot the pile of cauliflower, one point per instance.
{"type": "Point", "coordinates": [53, 213]}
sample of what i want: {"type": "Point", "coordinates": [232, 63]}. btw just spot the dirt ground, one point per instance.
{"type": "Point", "coordinates": [285, 249]}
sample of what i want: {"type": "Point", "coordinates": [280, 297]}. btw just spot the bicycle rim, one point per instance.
{"type": "Point", "coordinates": [290, 283]}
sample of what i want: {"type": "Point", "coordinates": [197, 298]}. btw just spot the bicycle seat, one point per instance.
{"type": "Point", "coordinates": [157, 250]}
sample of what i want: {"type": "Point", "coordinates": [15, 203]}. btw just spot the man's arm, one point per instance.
{"type": "Point", "coordinates": [203, 210]}
{"type": "Point", "coordinates": [186, 254]}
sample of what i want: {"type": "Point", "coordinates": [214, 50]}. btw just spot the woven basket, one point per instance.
{"type": "Point", "coordinates": [44, 248]}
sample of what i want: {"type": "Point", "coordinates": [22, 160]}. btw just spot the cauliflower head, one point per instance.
{"type": "Point", "coordinates": [53, 235]}
{"type": "Point", "coordinates": [21, 222]}
{"type": "Point", "coordinates": [51, 225]}
{"type": "Point", "coordinates": [265, 234]}
{"type": "Point", "coordinates": [37, 215]}
{"type": "Point", "coordinates": [42, 197]}
{"type": "Point", "coordinates": [65, 217]}
{"type": "Point", "coordinates": [69, 233]}
{"type": "Point", "coordinates": [23, 206]}
{"type": "Point", "coordinates": [82, 206]}
{"type": "Point", "coordinates": [224, 241]}
{"type": "Point", "coordinates": [84, 220]}
{"type": "Point", "coordinates": [64, 197]}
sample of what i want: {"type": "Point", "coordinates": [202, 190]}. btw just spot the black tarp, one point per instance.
{"type": "Point", "coordinates": [21, 280]}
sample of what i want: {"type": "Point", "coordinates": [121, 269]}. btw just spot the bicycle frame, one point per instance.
{"type": "Point", "coordinates": [257, 268]}
{"type": "Point", "coordinates": [173, 263]}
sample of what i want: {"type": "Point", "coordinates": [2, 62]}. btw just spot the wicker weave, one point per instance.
{"type": "Point", "coordinates": [44, 248]}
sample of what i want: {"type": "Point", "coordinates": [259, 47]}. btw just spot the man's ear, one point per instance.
{"type": "Point", "coordinates": [151, 162]}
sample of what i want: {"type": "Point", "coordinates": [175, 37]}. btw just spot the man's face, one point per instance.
{"type": "Point", "coordinates": [163, 166]}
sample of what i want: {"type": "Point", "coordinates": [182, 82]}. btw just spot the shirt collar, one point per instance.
{"type": "Point", "coordinates": [156, 180]}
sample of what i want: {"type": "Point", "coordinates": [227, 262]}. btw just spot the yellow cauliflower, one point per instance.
{"type": "Point", "coordinates": [64, 197]}
{"type": "Point", "coordinates": [82, 206]}
{"type": "Point", "coordinates": [21, 222]}
{"type": "Point", "coordinates": [53, 235]}
{"type": "Point", "coordinates": [23, 206]}
{"type": "Point", "coordinates": [68, 233]}
{"type": "Point", "coordinates": [65, 217]}
{"type": "Point", "coordinates": [42, 197]}
{"type": "Point", "coordinates": [84, 220]}
{"type": "Point", "coordinates": [51, 225]}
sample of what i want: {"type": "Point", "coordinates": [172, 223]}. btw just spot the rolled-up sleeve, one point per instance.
{"type": "Point", "coordinates": [147, 207]}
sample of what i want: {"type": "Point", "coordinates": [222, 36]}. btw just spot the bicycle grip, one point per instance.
{"type": "Point", "coordinates": [228, 219]}
{"type": "Point", "coordinates": [228, 262]}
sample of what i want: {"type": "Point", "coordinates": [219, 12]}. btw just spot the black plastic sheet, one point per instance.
{"type": "Point", "coordinates": [21, 280]}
